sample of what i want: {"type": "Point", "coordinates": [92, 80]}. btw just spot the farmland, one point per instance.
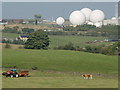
{"type": "Point", "coordinates": [60, 68]}
{"type": "Point", "coordinates": [60, 60]}
{"type": "Point", "coordinates": [62, 40]}
{"type": "Point", "coordinates": [50, 80]}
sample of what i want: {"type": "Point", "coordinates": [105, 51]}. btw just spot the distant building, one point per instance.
{"type": "Point", "coordinates": [22, 37]}
{"type": "Point", "coordinates": [113, 21]}
{"type": "Point", "coordinates": [3, 22]}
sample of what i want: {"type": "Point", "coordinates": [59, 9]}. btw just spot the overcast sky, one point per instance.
{"type": "Point", "coordinates": [25, 10]}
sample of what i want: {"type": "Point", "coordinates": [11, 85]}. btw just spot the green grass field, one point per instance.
{"type": "Point", "coordinates": [60, 68]}
{"type": "Point", "coordinates": [10, 35]}
{"type": "Point", "coordinates": [56, 41]}
{"type": "Point", "coordinates": [60, 60]}
{"type": "Point", "coordinates": [76, 40]}
{"type": "Point", "coordinates": [50, 80]}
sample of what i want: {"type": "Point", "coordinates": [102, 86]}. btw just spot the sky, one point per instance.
{"type": "Point", "coordinates": [26, 10]}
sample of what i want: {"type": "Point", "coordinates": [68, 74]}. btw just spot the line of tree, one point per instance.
{"type": "Point", "coordinates": [113, 49]}
{"type": "Point", "coordinates": [19, 42]}
{"type": "Point", "coordinates": [11, 30]}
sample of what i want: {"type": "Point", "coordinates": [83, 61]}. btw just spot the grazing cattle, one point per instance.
{"type": "Point", "coordinates": [87, 76]}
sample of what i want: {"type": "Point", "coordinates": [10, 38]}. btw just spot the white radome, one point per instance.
{"type": "Point", "coordinates": [77, 18]}
{"type": "Point", "coordinates": [87, 13]}
{"type": "Point", "coordinates": [98, 24]}
{"type": "Point", "coordinates": [113, 18]}
{"type": "Point", "coordinates": [60, 20]}
{"type": "Point", "coordinates": [97, 16]}
{"type": "Point", "coordinates": [90, 23]}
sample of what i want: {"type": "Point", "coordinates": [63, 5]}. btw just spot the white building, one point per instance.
{"type": "Point", "coordinates": [113, 21]}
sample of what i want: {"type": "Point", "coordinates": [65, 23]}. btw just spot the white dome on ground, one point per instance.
{"type": "Point", "coordinates": [90, 23]}
{"type": "Point", "coordinates": [77, 18]}
{"type": "Point", "coordinates": [87, 13]}
{"type": "Point", "coordinates": [60, 20]}
{"type": "Point", "coordinates": [97, 16]}
{"type": "Point", "coordinates": [113, 18]}
{"type": "Point", "coordinates": [98, 24]}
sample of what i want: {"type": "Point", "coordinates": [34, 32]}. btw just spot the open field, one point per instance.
{"type": "Point", "coordinates": [60, 60]}
{"type": "Point", "coordinates": [60, 69]}
{"type": "Point", "coordinates": [51, 80]}
{"type": "Point", "coordinates": [76, 40]}
{"type": "Point", "coordinates": [62, 40]}
{"type": "Point", "coordinates": [10, 35]}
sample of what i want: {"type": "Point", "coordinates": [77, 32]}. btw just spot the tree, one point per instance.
{"type": "Point", "coordinates": [37, 40]}
{"type": "Point", "coordinates": [27, 30]}
{"type": "Point", "coordinates": [69, 46]}
{"type": "Point", "coordinates": [37, 16]}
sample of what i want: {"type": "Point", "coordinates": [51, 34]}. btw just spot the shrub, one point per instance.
{"type": "Point", "coordinates": [34, 68]}
{"type": "Point", "coordinates": [7, 45]}
{"type": "Point", "coordinates": [69, 46]}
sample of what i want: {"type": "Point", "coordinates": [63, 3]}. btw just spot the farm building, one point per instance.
{"type": "Point", "coordinates": [22, 37]}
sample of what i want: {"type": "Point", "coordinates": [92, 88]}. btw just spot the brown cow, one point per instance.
{"type": "Point", "coordinates": [87, 76]}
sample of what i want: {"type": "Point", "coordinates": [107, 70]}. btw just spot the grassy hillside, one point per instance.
{"type": "Point", "coordinates": [60, 60]}
{"type": "Point", "coordinates": [10, 35]}
{"type": "Point", "coordinates": [62, 40]}
{"type": "Point", "coordinates": [76, 40]}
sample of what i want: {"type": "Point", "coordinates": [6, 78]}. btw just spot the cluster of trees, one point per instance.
{"type": "Point", "coordinates": [20, 42]}
{"type": "Point", "coordinates": [11, 30]}
{"type": "Point", "coordinates": [37, 40]}
{"type": "Point", "coordinates": [113, 49]}
{"type": "Point", "coordinates": [37, 17]}
{"type": "Point", "coordinates": [110, 31]}
{"type": "Point", "coordinates": [61, 33]}
{"type": "Point", "coordinates": [27, 30]}
{"type": "Point", "coordinates": [79, 28]}
{"type": "Point", "coordinates": [17, 30]}
{"type": "Point", "coordinates": [69, 46]}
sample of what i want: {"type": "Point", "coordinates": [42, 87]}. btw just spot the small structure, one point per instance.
{"type": "Point", "coordinates": [22, 37]}
{"type": "Point", "coordinates": [3, 22]}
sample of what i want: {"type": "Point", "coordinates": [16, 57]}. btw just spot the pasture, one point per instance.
{"type": "Point", "coordinates": [60, 69]}
{"type": "Point", "coordinates": [10, 35]}
{"type": "Point", "coordinates": [60, 60]}
{"type": "Point", "coordinates": [40, 79]}
{"type": "Point", "coordinates": [56, 41]}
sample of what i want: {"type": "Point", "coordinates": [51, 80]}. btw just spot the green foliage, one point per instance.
{"type": "Point", "coordinates": [38, 16]}
{"type": "Point", "coordinates": [69, 46]}
{"type": "Point", "coordinates": [11, 30]}
{"type": "Point", "coordinates": [27, 30]}
{"type": "Point", "coordinates": [79, 28]}
{"type": "Point", "coordinates": [37, 40]}
{"type": "Point", "coordinates": [112, 49]}
{"type": "Point", "coordinates": [21, 42]}
{"type": "Point", "coordinates": [58, 40]}
{"type": "Point", "coordinates": [34, 68]}
{"type": "Point", "coordinates": [110, 31]}
{"type": "Point", "coordinates": [61, 33]}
